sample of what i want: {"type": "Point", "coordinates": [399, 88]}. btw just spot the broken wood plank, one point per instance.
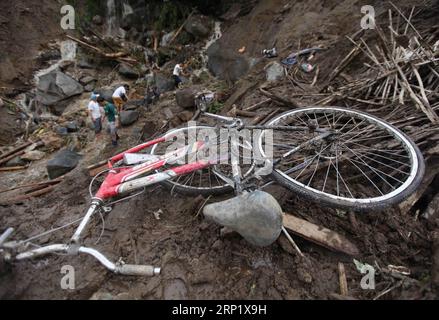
{"type": "Point", "coordinates": [22, 198]}
{"type": "Point", "coordinates": [18, 168]}
{"type": "Point", "coordinates": [19, 148]}
{"type": "Point", "coordinates": [320, 235]}
{"type": "Point", "coordinates": [30, 185]}
{"type": "Point", "coordinates": [279, 99]}
{"type": "Point", "coordinates": [12, 156]}
{"type": "Point", "coordinates": [242, 89]}
{"type": "Point", "coordinates": [257, 105]}
{"type": "Point", "coordinates": [342, 279]}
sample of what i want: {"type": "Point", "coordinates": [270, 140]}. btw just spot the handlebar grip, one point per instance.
{"type": "Point", "coordinates": [138, 270]}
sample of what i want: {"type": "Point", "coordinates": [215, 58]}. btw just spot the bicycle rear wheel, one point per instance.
{"type": "Point", "coordinates": [366, 164]}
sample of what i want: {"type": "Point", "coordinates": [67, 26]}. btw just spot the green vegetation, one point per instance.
{"type": "Point", "coordinates": [171, 16]}
{"type": "Point", "coordinates": [215, 107]}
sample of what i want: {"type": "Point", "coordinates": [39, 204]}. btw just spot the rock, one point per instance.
{"type": "Point", "coordinates": [51, 141]}
{"type": "Point", "coordinates": [72, 126]}
{"type": "Point", "coordinates": [98, 20]}
{"type": "Point", "coordinates": [56, 86]}
{"type": "Point", "coordinates": [304, 276]}
{"type": "Point", "coordinates": [63, 162]}
{"type": "Point", "coordinates": [62, 131]}
{"type": "Point", "coordinates": [185, 98]}
{"type": "Point", "coordinates": [34, 155]}
{"type": "Point", "coordinates": [90, 87]}
{"type": "Point", "coordinates": [128, 117]}
{"type": "Point", "coordinates": [274, 71]}
{"type": "Point", "coordinates": [83, 63]}
{"type": "Point", "coordinates": [16, 162]}
{"type": "Point", "coordinates": [128, 72]}
{"type": "Point", "coordinates": [87, 79]}
{"type": "Point", "coordinates": [199, 26]}
{"type": "Point", "coordinates": [66, 64]}
{"type": "Point", "coordinates": [53, 54]}
{"type": "Point", "coordinates": [133, 104]}
{"type": "Point", "coordinates": [166, 38]}
{"type": "Point", "coordinates": [225, 63]}
{"type": "Point", "coordinates": [107, 94]}
{"type": "Point", "coordinates": [163, 83]}
{"type": "Point", "coordinates": [185, 116]}
{"type": "Point", "coordinates": [1, 103]}
{"type": "Point", "coordinates": [102, 296]}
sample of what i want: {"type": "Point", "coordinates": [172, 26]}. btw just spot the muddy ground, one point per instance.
{"type": "Point", "coordinates": [197, 261]}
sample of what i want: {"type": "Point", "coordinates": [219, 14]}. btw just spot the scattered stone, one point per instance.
{"type": "Point", "coordinates": [185, 98]}
{"type": "Point", "coordinates": [304, 275]}
{"type": "Point", "coordinates": [199, 26]}
{"type": "Point", "coordinates": [1, 103]}
{"type": "Point", "coordinates": [163, 83]}
{"type": "Point", "coordinates": [102, 296]}
{"type": "Point", "coordinates": [90, 87]}
{"type": "Point", "coordinates": [217, 245]}
{"type": "Point", "coordinates": [133, 104]}
{"type": "Point", "coordinates": [72, 126]}
{"type": "Point", "coordinates": [53, 54]}
{"type": "Point", "coordinates": [83, 63]}
{"type": "Point", "coordinates": [65, 64]}
{"type": "Point", "coordinates": [128, 72]}
{"type": "Point", "coordinates": [226, 64]}
{"type": "Point", "coordinates": [274, 71]}
{"type": "Point", "coordinates": [34, 155]}
{"type": "Point", "coordinates": [16, 162]}
{"type": "Point", "coordinates": [98, 20]}
{"type": "Point", "coordinates": [185, 116]}
{"type": "Point", "coordinates": [56, 86]}
{"type": "Point", "coordinates": [175, 290]}
{"type": "Point", "coordinates": [87, 79]}
{"type": "Point", "coordinates": [63, 162]}
{"type": "Point", "coordinates": [107, 94]}
{"type": "Point", "coordinates": [51, 141]}
{"type": "Point", "coordinates": [128, 117]}
{"type": "Point", "coordinates": [62, 131]}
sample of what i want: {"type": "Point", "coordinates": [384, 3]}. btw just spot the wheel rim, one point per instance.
{"type": "Point", "coordinates": [388, 175]}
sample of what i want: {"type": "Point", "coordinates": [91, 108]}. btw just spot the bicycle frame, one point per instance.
{"type": "Point", "coordinates": [123, 180]}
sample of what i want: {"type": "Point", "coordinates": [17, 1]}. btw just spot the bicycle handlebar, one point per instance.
{"type": "Point", "coordinates": [124, 269]}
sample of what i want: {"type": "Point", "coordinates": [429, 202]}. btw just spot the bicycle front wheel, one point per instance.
{"type": "Point", "coordinates": [364, 164]}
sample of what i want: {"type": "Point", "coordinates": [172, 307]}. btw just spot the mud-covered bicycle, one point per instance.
{"type": "Point", "coordinates": [337, 157]}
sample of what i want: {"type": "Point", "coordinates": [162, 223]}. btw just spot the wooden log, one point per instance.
{"type": "Point", "coordinates": [320, 235]}
{"type": "Point", "coordinates": [257, 105]}
{"type": "Point", "coordinates": [13, 168]}
{"type": "Point", "coordinates": [22, 198]}
{"type": "Point", "coordinates": [30, 185]}
{"type": "Point", "coordinates": [12, 156]}
{"type": "Point", "coordinates": [279, 99]}
{"type": "Point", "coordinates": [19, 148]}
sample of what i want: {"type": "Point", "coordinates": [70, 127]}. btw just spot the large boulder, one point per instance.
{"type": "Point", "coordinates": [63, 162]}
{"type": "Point", "coordinates": [274, 71]}
{"type": "Point", "coordinates": [225, 63]}
{"type": "Point", "coordinates": [199, 26]}
{"type": "Point", "coordinates": [186, 98]}
{"type": "Point", "coordinates": [164, 83]}
{"type": "Point", "coordinates": [128, 72]}
{"type": "Point", "coordinates": [107, 94]}
{"type": "Point", "coordinates": [127, 118]}
{"type": "Point", "coordinates": [134, 104]}
{"type": "Point", "coordinates": [56, 86]}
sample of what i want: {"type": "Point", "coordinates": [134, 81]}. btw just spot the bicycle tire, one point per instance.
{"type": "Point", "coordinates": [360, 205]}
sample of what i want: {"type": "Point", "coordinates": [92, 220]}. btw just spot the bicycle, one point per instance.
{"type": "Point", "coordinates": [338, 157]}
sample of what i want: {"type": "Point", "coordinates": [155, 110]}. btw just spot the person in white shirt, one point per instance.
{"type": "Point", "coordinates": [178, 71]}
{"type": "Point", "coordinates": [120, 96]}
{"type": "Point", "coordinates": [94, 111]}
